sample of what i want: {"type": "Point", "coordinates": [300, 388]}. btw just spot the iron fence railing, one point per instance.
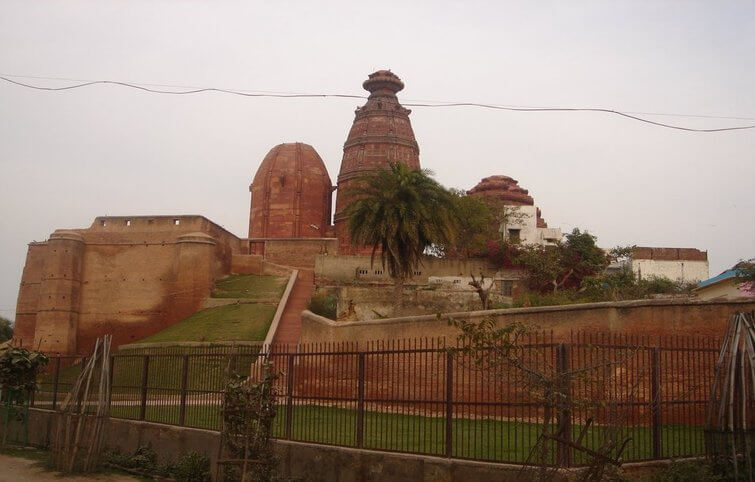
{"type": "Point", "coordinates": [423, 396]}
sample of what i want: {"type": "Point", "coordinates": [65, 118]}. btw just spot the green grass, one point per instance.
{"type": "Point", "coordinates": [243, 322]}
{"type": "Point", "coordinates": [496, 440]}
{"type": "Point", "coordinates": [235, 322]}
{"type": "Point", "coordinates": [249, 286]}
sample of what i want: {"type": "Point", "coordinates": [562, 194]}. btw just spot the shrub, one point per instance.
{"type": "Point", "coordinates": [324, 304]}
{"type": "Point", "coordinates": [192, 467]}
{"type": "Point", "coordinates": [533, 298]}
{"type": "Point", "coordinates": [690, 471]}
{"type": "Point", "coordinates": [19, 368]}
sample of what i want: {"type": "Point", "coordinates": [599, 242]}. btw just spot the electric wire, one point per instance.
{"type": "Point", "coordinates": [268, 94]}
{"type": "Point", "coordinates": [178, 86]}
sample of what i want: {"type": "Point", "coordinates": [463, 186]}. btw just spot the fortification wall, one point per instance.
{"type": "Point", "coordinates": [128, 276]}
{"type": "Point", "coordinates": [28, 293]}
{"type": "Point", "coordinates": [644, 317]}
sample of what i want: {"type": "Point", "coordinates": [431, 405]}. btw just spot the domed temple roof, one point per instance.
{"type": "Point", "coordinates": [502, 188]}
{"type": "Point", "coordinates": [291, 194]}
{"type": "Point", "coordinates": [506, 190]}
{"type": "Point", "coordinates": [380, 135]}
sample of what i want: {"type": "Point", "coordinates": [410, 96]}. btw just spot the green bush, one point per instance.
{"type": "Point", "coordinates": [324, 304]}
{"type": "Point", "coordinates": [144, 459]}
{"type": "Point", "coordinates": [533, 298]}
{"type": "Point", "coordinates": [192, 467]}
{"type": "Point", "coordinates": [19, 368]}
{"type": "Point", "coordinates": [689, 471]}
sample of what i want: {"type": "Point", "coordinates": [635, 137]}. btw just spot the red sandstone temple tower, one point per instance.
{"type": "Point", "coordinates": [381, 134]}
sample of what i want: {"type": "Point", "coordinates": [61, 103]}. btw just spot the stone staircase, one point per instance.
{"type": "Point", "coordinates": [289, 327]}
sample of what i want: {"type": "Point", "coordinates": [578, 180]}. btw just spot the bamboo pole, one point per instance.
{"type": "Point", "coordinates": [82, 409]}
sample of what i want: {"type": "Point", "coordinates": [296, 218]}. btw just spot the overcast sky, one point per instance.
{"type": "Point", "coordinates": [66, 157]}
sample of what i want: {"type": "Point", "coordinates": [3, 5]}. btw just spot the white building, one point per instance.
{"type": "Point", "coordinates": [687, 265]}
{"type": "Point", "coordinates": [521, 225]}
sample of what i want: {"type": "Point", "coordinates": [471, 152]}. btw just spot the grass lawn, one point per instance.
{"type": "Point", "coordinates": [249, 286]}
{"type": "Point", "coordinates": [495, 440]}
{"type": "Point", "coordinates": [243, 322]}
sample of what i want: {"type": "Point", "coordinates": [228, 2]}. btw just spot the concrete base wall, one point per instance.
{"type": "Point", "coordinates": [298, 461]}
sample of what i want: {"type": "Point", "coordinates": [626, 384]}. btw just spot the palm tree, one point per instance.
{"type": "Point", "coordinates": [400, 212]}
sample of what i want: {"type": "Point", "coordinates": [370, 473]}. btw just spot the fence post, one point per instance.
{"type": "Point", "coordinates": [360, 400]}
{"type": "Point", "coordinates": [184, 383]}
{"type": "Point", "coordinates": [231, 365]}
{"type": "Point", "coordinates": [83, 364]}
{"type": "Point", "coordinates": [563, 406]}
{"type": "Point", "coordinates": [112, 372]}
{"type": "Point", "coordinates": [145, 379]}
{"type": "Point", "coordinates": [55, 383]}
{"type": "Point", "coordinates": [449, 403]}
{"type": "Point", "coordinates": [289, 396]}
{"type": "Point", "coordinates": [655, 400]}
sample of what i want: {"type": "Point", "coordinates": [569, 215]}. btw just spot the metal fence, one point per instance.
{"type": "Point", "coordinates": [422, 396]}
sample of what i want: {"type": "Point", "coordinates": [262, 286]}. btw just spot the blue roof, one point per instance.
{"type": "Point", "coordinates": [729, 273]}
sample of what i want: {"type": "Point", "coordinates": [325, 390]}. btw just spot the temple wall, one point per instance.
{"type": "Point", "coordinates": [128, 276]}
{"type": "Point", "coordinates": [294, 252]}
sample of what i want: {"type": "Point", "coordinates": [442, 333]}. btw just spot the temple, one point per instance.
{"type": "Point", "coordinates": [133, 276]}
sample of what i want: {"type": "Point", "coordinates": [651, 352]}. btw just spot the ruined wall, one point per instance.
{"type": "Point", "coordinates": [644, 317]}
{"type": "Point", "coordinates": [375, 301]}
{"type": "Point", "coordinates": [347, 269]}
{"type": "Point", "coordinates": [129, 276]}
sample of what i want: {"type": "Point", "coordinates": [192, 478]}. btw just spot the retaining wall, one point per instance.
{"type": "Point", "coordinates": [298, 461]}
{"type": "Point", "coordinates": [642, 317]}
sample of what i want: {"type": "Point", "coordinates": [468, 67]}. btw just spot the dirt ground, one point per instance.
{"type": "Point", "coordinates": [17, 469]}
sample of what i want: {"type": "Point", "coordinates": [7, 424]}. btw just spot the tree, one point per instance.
{"type": "Point", "coordinates": [482, 289]}
{"type": "Point", "coordinates": [620, 254]}
{"type": "Point", "coordinates": [6, 329]}
{"type": "Point", "coordinates": [475, 226]}
{"type": "Point", "coordinates": [746, 273]}
{"type": "Point", "coordinates": [400, 213]}
{"type": "Point", "coordinates": [505, 351]}
{"type": "Point", "coordinates": [564, 265]}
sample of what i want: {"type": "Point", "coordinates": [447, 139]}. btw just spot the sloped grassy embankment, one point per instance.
{"type": "Point", "coordinates": [246, 318]}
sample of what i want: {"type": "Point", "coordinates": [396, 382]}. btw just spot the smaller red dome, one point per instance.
{"type": "Point", "coordinates": [507, 191]}
{"type": "Point", "coordinates": [291, 194]}
{"type": "Point", "coordinates": [502, 188]}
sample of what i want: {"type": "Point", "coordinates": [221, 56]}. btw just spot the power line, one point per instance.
{"type": "Point", "coordinates": [178, 86]}
{"type": "Point", "coordinates": [269, 94]}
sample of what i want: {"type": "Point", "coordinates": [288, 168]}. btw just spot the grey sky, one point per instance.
{"type": "Point", "coordinates": [68, 157]}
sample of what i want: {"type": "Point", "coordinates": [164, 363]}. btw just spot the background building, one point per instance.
{"type": "Point", "coordinates": [686, 265]}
